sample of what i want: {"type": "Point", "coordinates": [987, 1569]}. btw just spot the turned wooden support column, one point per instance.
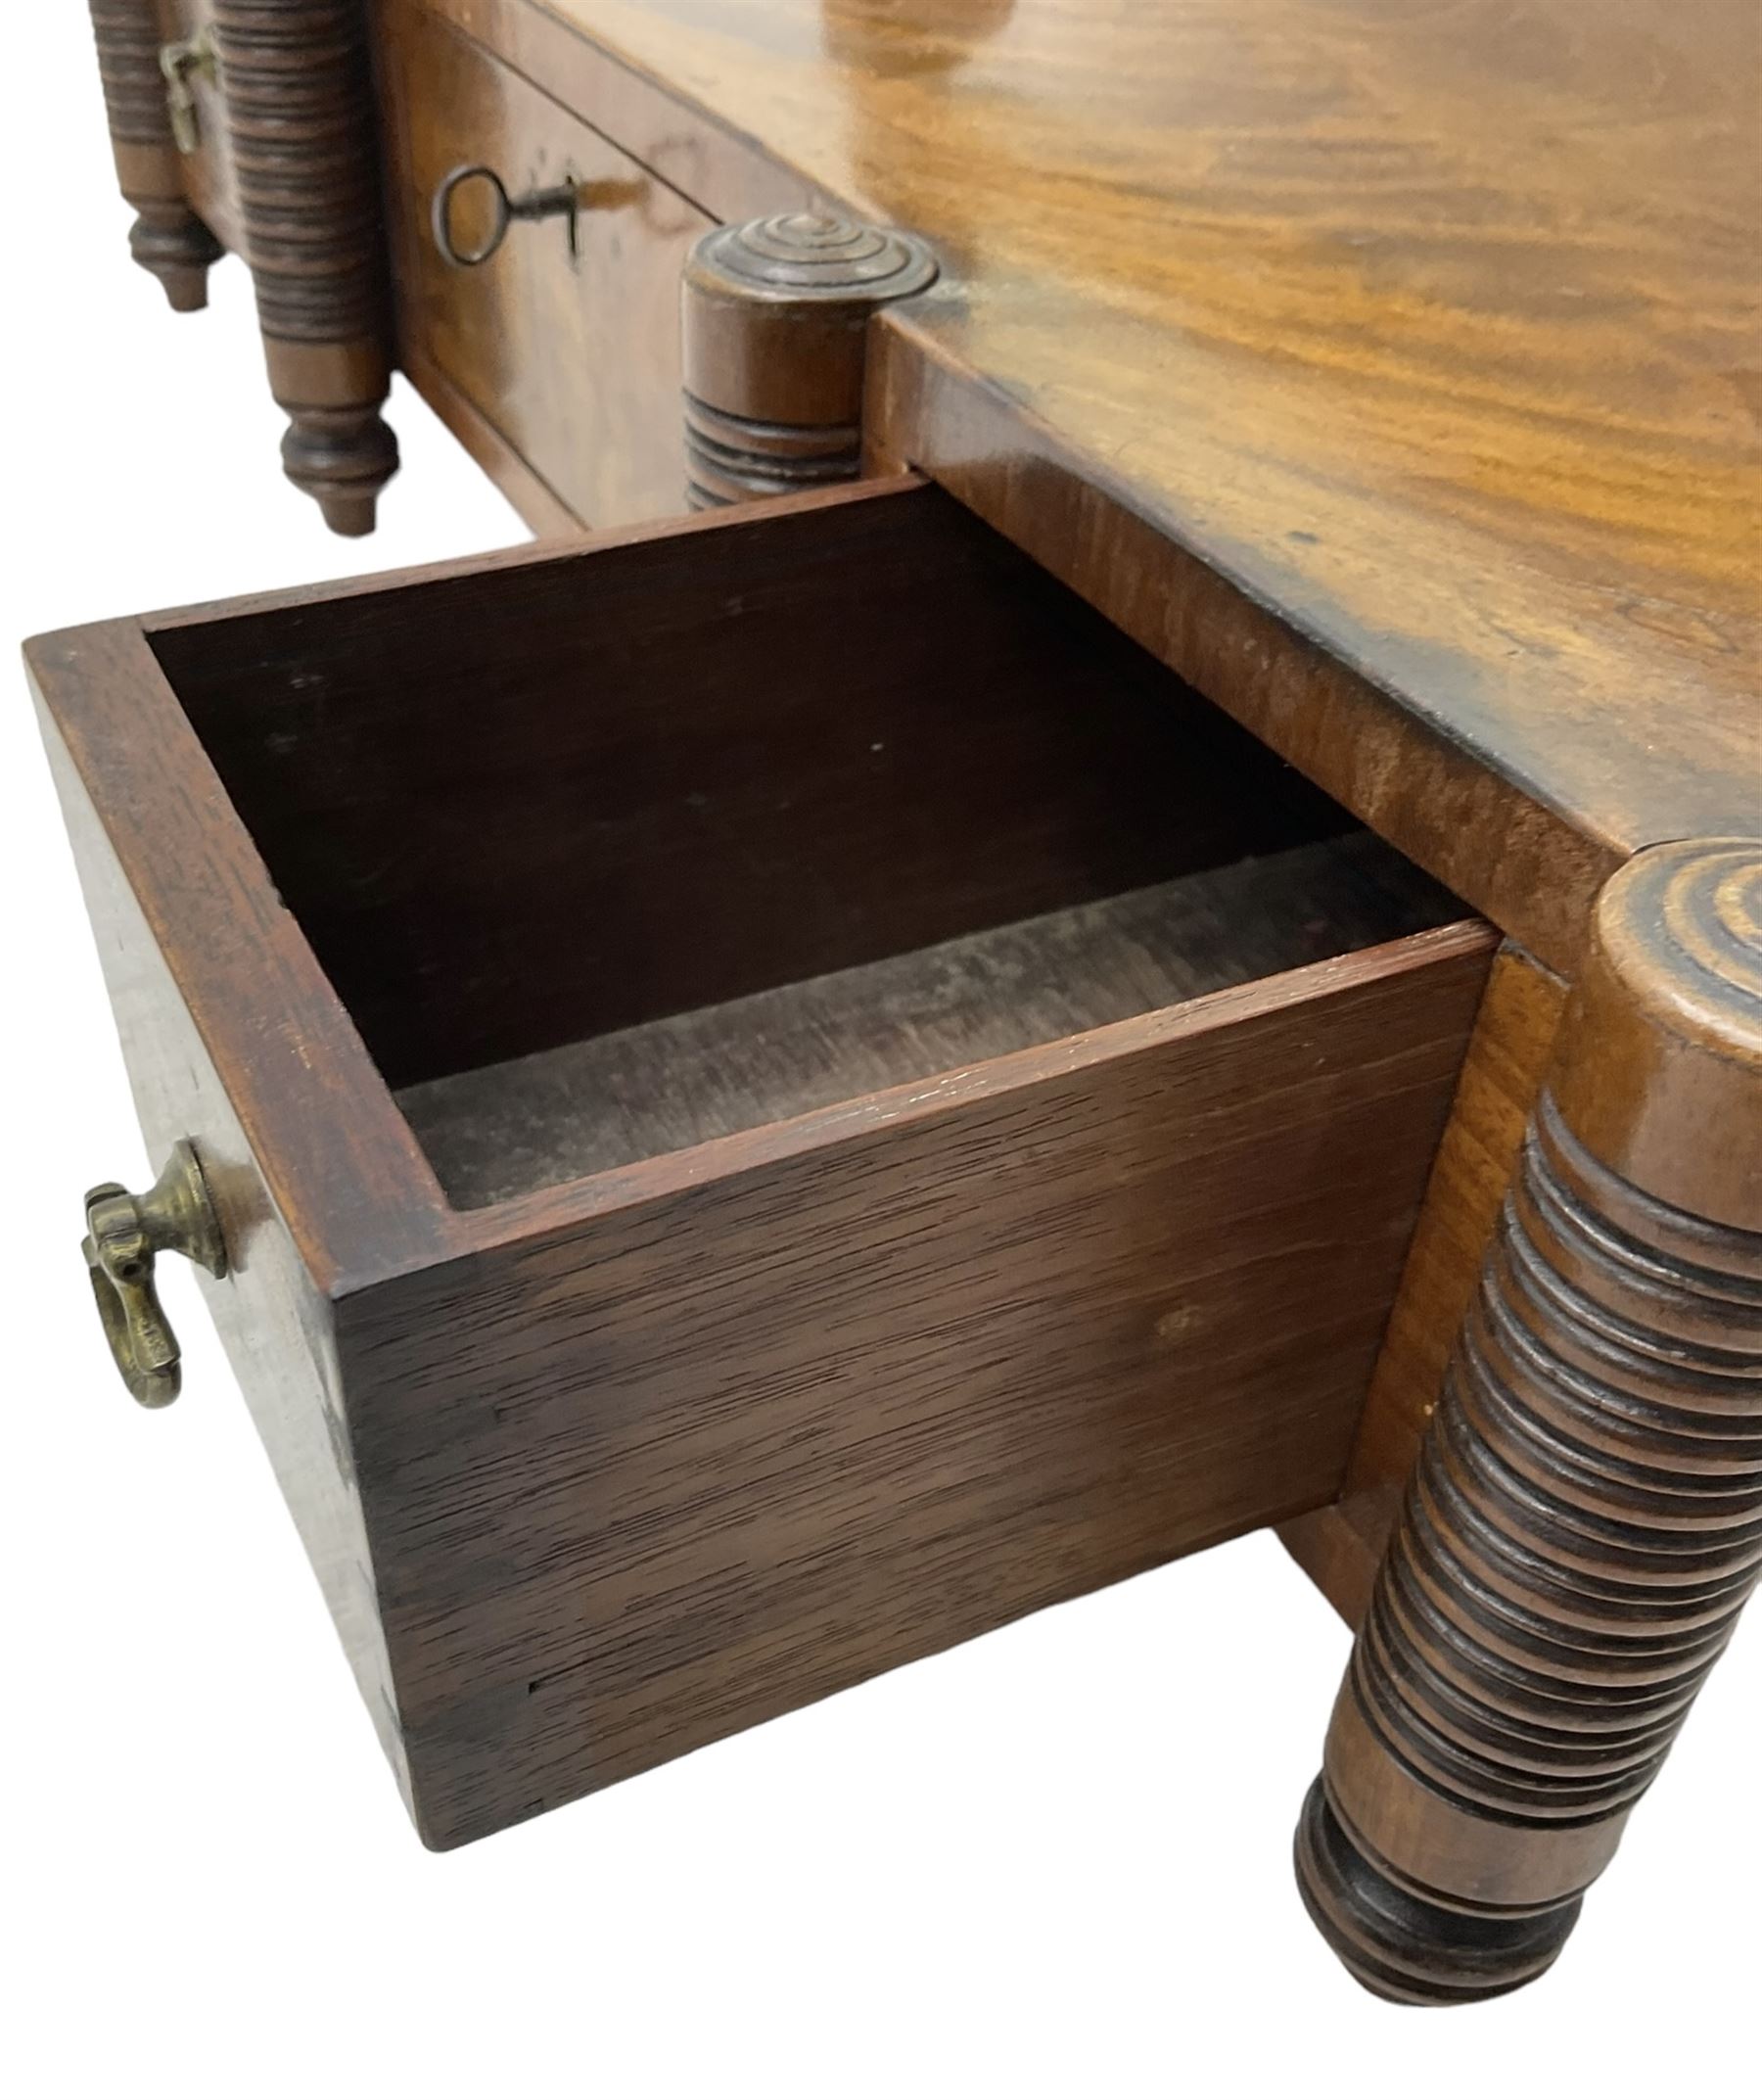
{"type": "Point", "coordinates": [1585, 1520]}
{"type": "Point", "coordinates": [294, 76]}
{"type": "Point", "coordinates": [167, 239]}
{"type": "Point", "coordinates": [776, 319]}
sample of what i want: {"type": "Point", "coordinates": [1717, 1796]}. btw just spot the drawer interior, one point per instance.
{"type": "Point", "coordinates": [627, 848]}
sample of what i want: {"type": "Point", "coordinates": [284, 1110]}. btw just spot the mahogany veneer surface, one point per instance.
{"type": "Point", "coordinates": [1432, 329]}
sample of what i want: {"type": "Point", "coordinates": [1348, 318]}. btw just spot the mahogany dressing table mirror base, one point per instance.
{"type": "Point", "coordinates": [1182, 824]}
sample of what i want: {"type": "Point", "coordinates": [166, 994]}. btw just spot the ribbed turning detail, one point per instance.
{"type": "Point", "coordinates": [298, 101]}
{"type": "Point", "coordinates": [1581, 1531]}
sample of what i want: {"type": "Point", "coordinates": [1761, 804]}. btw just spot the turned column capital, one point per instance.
{"type": "Point", "coordinates": [1658, 1068]}
{"type": "Point", "coordinates": [775, 321]}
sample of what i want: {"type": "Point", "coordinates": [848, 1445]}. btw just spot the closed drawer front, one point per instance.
{"type": "Point", "coordinates": [572, 359]}
{"type": "Point", "coordinates": [779, 1094]}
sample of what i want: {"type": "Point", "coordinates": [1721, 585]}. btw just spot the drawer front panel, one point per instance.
{"type": "Point", "coordinates": [654, 1478]}
{"type": "Point", "coordinates": [571, 360]}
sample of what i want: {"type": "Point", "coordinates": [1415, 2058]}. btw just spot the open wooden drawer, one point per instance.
{"type": "Point", "coordinates": [777, 1093]}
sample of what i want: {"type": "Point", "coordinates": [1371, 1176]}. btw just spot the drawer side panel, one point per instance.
{"type": "Point", "coordinates": [275, 1323]}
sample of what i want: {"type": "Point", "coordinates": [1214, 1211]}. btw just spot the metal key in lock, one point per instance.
{"type": "Point", "coordinates": [566, 200]}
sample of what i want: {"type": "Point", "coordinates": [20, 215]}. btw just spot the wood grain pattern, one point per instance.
{"type": "Point", "coordinates": [1340, 1547]}
{"type": "Point", "coordinates": [728, 173]}
{"type": "Point", "coordinates": [573, 363]}
{"type": "Point", "coordinates": [1429, 329]}
{"type": "Point", "coordinates": [338, 1164]}
{"type": "Point", "coordinates": [1507, 1058]}
{"type": "Point", "coordinates": [1075, 1309]}
{"type": "Point", "coordinates": [1519, 859]}
{"type": "Point", "coordinates": [540, 507]}
{"type": "Point", "coordinates": [874, 721]}
{"type": "Point", "coordinates": [195, 957]}
{"type": "Point", "coordinates": [1585, 1521]}
{"type": "Point", "coordinates": [503, 1129]}
{"type": "Point", "coordinates": [1046, 1322]}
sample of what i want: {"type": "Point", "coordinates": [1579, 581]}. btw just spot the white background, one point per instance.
{"type": "Point", "coordinates": [1054, 1861]}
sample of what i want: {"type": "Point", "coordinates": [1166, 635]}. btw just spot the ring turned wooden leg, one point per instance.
{"type": "Point", "coordinates": [1585, 1520]}
{"type": "Point", "coordinates": [775, 316]}
{"type": "Point", "coordinates": [167, 239]}
{"type": "Point", "coordinates": [300, 115]}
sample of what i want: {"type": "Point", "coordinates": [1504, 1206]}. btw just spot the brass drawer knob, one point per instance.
{"type": "Point", "coordinates": [182, 63]}
{"type": "Point", "coordinates": [123, 1235]}
{"type": "Point", "coordinates": [562, 201]}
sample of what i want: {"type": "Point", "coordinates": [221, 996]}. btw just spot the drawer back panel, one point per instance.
{"type": "Point", "coordinates": [517, 809]}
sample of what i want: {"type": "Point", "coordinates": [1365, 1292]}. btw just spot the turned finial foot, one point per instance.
{"type": "Point", "coordinates": [170, 243]}
{"type": "Point", "coordinates": [342, 459]}
{"type": "Point", "coordinates": [1401, 1945]}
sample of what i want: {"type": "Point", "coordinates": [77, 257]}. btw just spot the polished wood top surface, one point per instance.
{"type": "Point", "coordinates": [1430, 324]}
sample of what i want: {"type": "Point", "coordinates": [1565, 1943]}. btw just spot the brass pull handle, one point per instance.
{"type": "Point", "coordinates": [563, 200]}
{"type": "Point", "coordinates": [182, 63]}
{"type": "Point", "coordinates": [123, 1235]}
